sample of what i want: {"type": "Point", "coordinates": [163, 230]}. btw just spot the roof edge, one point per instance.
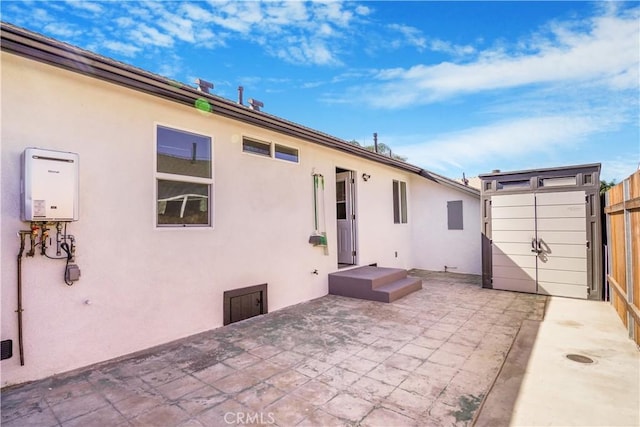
{"type": "Point", "coordinates": [552, 169]}
{"type": "Point", "coordinates": [450, 183]}
{"type": "Point", "coordinates": [38, 47]}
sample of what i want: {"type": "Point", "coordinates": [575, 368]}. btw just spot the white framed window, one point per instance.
{"type": "Point", "coordinates": [399, 202]}
{"type": "Point", "coordinates": [285, 153]}
{"type": "Point", "coordinates": [271, 150]}
{"type": "Point", "coordinates": [254, 146]}
{"type": "Point", "coordinates": [184, 178]}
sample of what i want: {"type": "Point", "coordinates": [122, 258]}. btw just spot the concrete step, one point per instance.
{"type": "Point", "coordinates": [373, 283]}
{"type": "Point", "coordinates": [374, 276]}
{"type": "Point", "coordinates": [399, 288]}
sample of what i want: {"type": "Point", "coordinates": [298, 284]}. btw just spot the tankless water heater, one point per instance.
{"type": "Point", "coordinates": [49, 185]}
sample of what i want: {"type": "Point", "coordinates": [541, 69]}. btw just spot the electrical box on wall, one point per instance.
{"type": "Point", "coordinates": [49, 185]}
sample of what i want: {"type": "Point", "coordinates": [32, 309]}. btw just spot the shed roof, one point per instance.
{"type": "Point", "coordinates": [38, 47]}
{"type": "Point", "coordinates": [553, 170]}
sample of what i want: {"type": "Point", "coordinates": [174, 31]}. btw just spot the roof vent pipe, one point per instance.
{"type": "Point", "coordinates": [203, 85]}
{"type": "Point", "coordinates": [495, 171]}
{"type": "Point", "coordinates": [375, 141]}
{"type": "Point", "coordinates": [254, 104]}
{"type": "Point", "coordinates": [240, 91]}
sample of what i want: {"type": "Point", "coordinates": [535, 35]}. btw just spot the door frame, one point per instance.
{"type": "Point", "coordinates": [352, 211]}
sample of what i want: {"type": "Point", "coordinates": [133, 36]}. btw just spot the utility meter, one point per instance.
{"type": "Point", "coordinates": [49, 185]}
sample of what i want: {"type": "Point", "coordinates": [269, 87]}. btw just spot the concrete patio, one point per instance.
{"type": "Point", "coordinates": [427, 359]}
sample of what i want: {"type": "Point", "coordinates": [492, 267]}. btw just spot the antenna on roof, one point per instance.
{"type": "Point", "coordinates": [203, 85]}
{"type": "Point", "coordinates": [375, 141]}
{"type": "Point", "coordinates": [254, 104]}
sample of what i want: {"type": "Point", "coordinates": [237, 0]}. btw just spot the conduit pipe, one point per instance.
{"type": "Point", "coordinates": [22, 234]}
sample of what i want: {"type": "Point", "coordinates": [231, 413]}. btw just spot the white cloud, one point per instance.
{"type": "Point", "coordinates": [121, 48]}
{"type": "Point", "coordinates": [606, 54]}
{"type": "Point", "coordinates": [362, 10]}
{"type": "Point", "coordinates": [89, 6]}
{"type": "Point", "coordinates": [515, 138]}
{"type": "Point", "coordinates": [196, 13]}
{"type": "Point", "coordinates": [178, 27]}
{"type": "Point", "coordinates": [618, 168]}
{"type": "Point", "coordinates": [437, 45]}
{"type": "Point", "coordinates": [144, 34]}
{"type": "Point", "coordinates": [412, 35]}
{"type": "Point", "coordinates": [302, 50]}
{"type": "Point", "coordinates": [63, 30]}
{"type": "Point", "coordinates": [332, 11]}
{"type": "Point", "coordinates": [125, 21]}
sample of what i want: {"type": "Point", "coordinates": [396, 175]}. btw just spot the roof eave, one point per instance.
{"type": "Point", "coordinates": [25, 43]}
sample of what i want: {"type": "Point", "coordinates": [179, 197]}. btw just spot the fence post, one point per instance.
{"type": "Point", "coordinates": [628, 251]}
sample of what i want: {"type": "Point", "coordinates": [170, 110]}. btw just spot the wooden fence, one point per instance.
{"type": "Point", "coordinates": [623, 236]}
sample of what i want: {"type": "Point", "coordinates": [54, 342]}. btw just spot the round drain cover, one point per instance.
{"type": "Point", "coordinates": [579, 358]}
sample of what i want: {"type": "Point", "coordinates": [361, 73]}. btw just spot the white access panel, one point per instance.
{"type": "Point", "coordinates": [513, 228]}
{"type": "Point", "coordinates": [562, 232]}
{"type": "Point", "coordinates": [49, 185]}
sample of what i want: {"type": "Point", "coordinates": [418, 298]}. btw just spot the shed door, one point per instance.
{"type": "Point", "coordinates": [562, 236]}
{"type": "Point", "coordinates": [513, 229]}
{"type": "Point", "coordinates": [539, 243]}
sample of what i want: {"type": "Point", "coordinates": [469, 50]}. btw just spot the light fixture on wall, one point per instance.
{"type": "Point", "coordinates": [366, 176]}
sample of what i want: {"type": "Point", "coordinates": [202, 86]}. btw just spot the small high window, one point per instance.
{"type": "Point", "coordinates": [286, 153]}
{"type": "Point", "coordinates": [399, 202]}
{"type": "Point", "coordinates": [256, 147]}
{"type": "Point", "coordinates": [267, 149]}
{"type": "Point", "coordinates": [183, 178]}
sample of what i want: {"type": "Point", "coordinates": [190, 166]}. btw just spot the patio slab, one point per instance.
{"type": "Point", "coordinates": [427, 359]}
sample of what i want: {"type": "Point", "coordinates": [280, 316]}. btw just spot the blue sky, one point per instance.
{"type": "Point", "coordinates": [454, 86]}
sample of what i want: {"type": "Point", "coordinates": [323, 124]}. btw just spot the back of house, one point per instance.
{"type": "Point", "coordinates": [181, 204]}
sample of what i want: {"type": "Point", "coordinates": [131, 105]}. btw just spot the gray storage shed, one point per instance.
{"type": "Point", "coordinates": [541, 231]}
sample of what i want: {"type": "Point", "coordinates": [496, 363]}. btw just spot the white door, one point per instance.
{"type": "Point", "coordinates": [345, 218]}
{"type": "Point", "coordinates": [562, 237]}
{"type": "Point", "coordinates": [513, 234]}
{"type": "Point", "coordinates": [539, 243]}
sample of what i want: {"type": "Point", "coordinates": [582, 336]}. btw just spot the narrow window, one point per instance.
{"type": "Point", "coordinates": [183, 178]}
{"type": "Point", "coordinates": [399, 202]}
{"type": "Point", "coordinates": [514, 185]}
{"type": "Point", "coordinates": [256, 147]}
{"type": "Point", "coordinates": [558, 182]}
{"type": "Point", "coordinates": [285, 153]}
{"type": "Point", "coordinates": [454, 215]}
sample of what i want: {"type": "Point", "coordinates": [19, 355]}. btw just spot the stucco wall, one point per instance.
{"type": "Point", "coordinates": [433, 245]}
{"type": "Point", "coordinates": [141, 286]}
